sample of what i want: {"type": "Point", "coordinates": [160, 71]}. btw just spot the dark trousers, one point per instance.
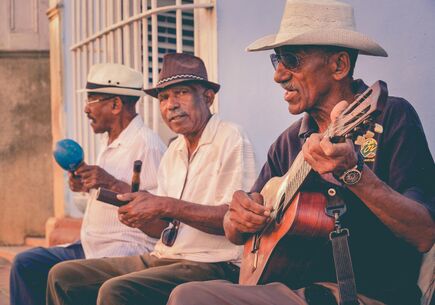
{"type": "Point", "coordinates": [29, 271]}
{"type": "Point", "coordinates": [129, 280]}
{"type": "Point", "coordinates": [226, 293]}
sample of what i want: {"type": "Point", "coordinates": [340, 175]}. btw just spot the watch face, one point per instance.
{"type": "Point", "coordinates": [352, 176]}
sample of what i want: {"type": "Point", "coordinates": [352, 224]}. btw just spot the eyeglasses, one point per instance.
{"type": "Point", "coordinates": [290, 60]}
{"type": "Point", "coordinates": [88, 102]}
{"type": "Point", "coordinates": [169, 235]}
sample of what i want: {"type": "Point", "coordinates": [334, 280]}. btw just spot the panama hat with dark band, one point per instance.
{"type": "Point", "coordinates": [178, 68]}
{"type": "Point", "coordinates": [318, 22]}
{"type": "Point", "coordinates": [114, 79]}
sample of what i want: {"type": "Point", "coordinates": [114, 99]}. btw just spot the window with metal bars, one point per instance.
{"type": "Point", "coordinates": [136, 33]}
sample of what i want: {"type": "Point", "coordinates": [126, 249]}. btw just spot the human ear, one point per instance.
{"type": "Point", "coordinates": [340, 65]}
{"type": "Point", "coordinates": [117, 105]}
{"type": "Point", "coordinates": [209, 97]}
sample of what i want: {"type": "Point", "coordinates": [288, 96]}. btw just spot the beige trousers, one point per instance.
{"type": "Point", "coordinates": [135, 280]}
{"type": "Point", "coordinates": [227, 293]}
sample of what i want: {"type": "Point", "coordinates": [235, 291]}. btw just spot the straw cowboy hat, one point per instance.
{"type": "Point", "coordinates": [318, 22]}
{"type": "Point", "coordinates": [114, 79]}
{"type": "Point", "coordinates": [179, 68]}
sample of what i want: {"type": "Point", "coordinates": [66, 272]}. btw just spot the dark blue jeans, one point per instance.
{"type": "Point", "coordinates": [29, 271]}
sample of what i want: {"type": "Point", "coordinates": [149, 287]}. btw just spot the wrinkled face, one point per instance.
{"type": "Point", "coordinates": [185, 108]}
{"type": "Point", "coordinates": [98, 109]}
{"type": "Point", "coordinates": [306, 83]}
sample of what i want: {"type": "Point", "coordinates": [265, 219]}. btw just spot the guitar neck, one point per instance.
{"type": "Point", "coordinates": [295, 177]}
{"type": "Point", "coordinates": [299, 171]}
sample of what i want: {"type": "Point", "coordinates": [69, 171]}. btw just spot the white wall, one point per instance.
{"type": "Point", "coordinates": [251, 98]}
{"type": "Point", "coordinates": [248, 95]}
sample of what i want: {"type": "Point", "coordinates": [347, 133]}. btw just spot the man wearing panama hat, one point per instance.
{"type": "Point", "coordinates": [197, 177]}
{"type": "Point", "coordinates": [112, 93]}
{"type": "Point", "coordinates": [383, 182]}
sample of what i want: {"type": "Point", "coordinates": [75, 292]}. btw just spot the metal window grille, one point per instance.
{"type": "Point", "coordinates": [136, 33]}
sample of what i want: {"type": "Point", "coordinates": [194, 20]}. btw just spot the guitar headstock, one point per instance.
{"type": "Point", "coordinates": [359, 116]}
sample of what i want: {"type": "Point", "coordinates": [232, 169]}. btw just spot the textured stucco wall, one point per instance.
{"type": "Point", "coordinates": [25, 145]}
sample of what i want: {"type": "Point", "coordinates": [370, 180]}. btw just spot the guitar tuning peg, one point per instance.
{"type": "Point", "coordinates": [357, 130]}
{"type": "Point", "coordinates": [369, 134]}
{"type": "Point", "coordinates": [378, 128]}
{"type": "Point", "coordinates": [367, 122]}
{"type": "Point", "coordinates": [359, 140]}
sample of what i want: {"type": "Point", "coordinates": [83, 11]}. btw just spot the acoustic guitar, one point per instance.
{"type": "Point", "coordinates": [298, 219]}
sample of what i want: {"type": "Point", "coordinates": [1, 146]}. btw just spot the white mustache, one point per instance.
{"type": "Point", "coordinates": [287, 86]}
{"type": "Point", "coordinates": [173, 115]}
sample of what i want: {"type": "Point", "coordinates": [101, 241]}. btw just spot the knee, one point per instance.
{"type": "Point", "coordinates": [113, 291]}
{"type": "Point", "coordinates": [22, 262]}
{"type": "Point", "coordinates": [59, 274]}
{"type": "Point", "coordinates": [182, 294]}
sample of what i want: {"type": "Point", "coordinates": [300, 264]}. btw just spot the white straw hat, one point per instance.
{"type": "Point", "coordinates": [318, 22]}
{"type": "Point", "coordinates": [114, 79]}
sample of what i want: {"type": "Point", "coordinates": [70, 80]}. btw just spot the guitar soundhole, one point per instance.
{"type": "Point", "coordinates": [279, 211]}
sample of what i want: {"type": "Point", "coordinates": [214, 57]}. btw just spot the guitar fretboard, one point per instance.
{"type": "Point", "coordinates": [299, 171]}
{"type": "Point", "coordinates": [296, 177]}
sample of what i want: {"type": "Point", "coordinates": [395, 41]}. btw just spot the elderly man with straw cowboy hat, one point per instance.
{"type": "Point", "coordinates": [197, 177]}
{"type": "Point", "coordinates": [385, 182]}
{"type": "Point", "coordinates": [112, 93]}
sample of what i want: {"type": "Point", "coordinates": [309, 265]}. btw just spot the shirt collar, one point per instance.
{"type": "Point", "coordinates": [207, 136]}
{"type": "Point", "coordinates": [127, 135]}
{"type": "Point", "coordinates": [358, 86]}
{"type": "Point", "coordinates": [209, 131]}
{"type": "Point", "coordinates": [308, 126]}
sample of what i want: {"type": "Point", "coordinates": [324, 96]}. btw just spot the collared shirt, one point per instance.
{"type": "Point", "coordinates": [385, 267]}
{"type": "Point", "coordinates": [222, 163]}
{"type": "Point", "coordinates": [102, 234]}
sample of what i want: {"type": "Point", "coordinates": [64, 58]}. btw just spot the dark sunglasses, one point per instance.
{"type": "Point", "coordinates": [169, 235]}
{"type": "Point", "coordinates": [290, 60]}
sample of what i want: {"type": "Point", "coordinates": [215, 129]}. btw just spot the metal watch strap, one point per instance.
{"type": "Point", "coordinates": [335, 207]}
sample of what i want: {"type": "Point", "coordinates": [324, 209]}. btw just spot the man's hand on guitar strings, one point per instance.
{"type": "Point", "coordinates": [327, 157]}
{"type": "Point", "coordinates": [247, 213]}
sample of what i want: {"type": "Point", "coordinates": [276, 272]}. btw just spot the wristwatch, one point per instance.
{"type": "Point", "coordinates": [353, 175]}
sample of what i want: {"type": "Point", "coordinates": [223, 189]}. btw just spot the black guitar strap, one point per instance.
{"type": "Point", "coordinates": [335, 208]}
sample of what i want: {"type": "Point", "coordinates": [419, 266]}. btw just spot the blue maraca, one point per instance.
{"type": "Point", "coordinates": [68, 154]}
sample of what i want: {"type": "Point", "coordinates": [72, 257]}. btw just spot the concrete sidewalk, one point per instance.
{"type": "Point", "coordinates": [7, 254]}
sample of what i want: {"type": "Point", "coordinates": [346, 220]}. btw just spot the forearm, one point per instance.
{"type": "Point", "coordinates": [206, 218]}
{"type": "Point", "coordinates": [405, 217]}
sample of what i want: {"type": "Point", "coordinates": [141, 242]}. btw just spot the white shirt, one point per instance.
{"type": "Point", "coordinates": [222, 163]}
{"type": "Point", "coordinates": [102, 234]}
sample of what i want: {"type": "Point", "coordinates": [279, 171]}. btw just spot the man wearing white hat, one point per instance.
{"type": "Point", "coordinates": [384, 181]}
{"type": "Point", "coordinates": [112, 93]}
{"type": "Point", "coordinates": [197, 177]}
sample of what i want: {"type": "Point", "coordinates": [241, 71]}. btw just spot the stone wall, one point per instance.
{"type": "Point", "coordinates": [26, 180]}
